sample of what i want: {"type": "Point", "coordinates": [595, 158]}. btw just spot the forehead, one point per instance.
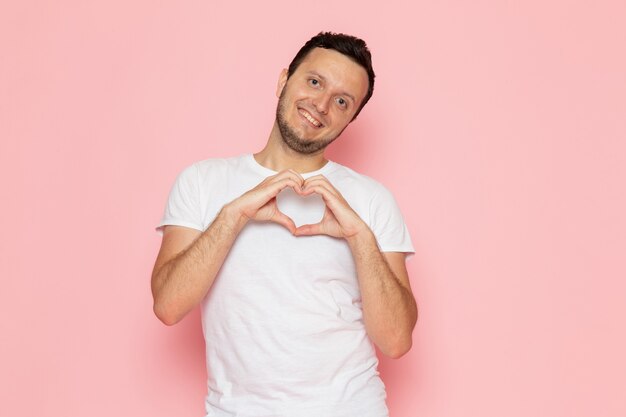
{"type": "Point", "coordinates": [337, 69]}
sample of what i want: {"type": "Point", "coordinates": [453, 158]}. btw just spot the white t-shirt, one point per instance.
{"type": "Point", "coordinates": [283, 322]}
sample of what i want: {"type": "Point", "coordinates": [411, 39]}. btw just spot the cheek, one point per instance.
{"type": "Point", "coordinates": [342, 120]}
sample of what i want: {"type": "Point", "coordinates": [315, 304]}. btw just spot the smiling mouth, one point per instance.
{"type": "Point", "coordinates": [311, 119]}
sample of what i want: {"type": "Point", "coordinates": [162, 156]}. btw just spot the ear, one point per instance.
{"type": "Point", "coordinates": [282, 80]}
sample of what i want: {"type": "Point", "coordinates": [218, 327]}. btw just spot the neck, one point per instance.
{"type": "Point", "coordinates": [277, 156]}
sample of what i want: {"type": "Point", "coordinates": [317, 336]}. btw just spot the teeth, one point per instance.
{"type": "Point", "coordinates": [310, 118]}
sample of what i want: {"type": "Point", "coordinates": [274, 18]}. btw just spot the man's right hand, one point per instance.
{"type": "Point", "coordinates": [259, 203]}
{"type": "Point", "coordinates": [189, 260]}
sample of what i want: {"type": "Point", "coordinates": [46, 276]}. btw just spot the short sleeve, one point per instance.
{"type": "Point", "coordinates": [388, 224]}
{"type": "Point", "coordinates": [183, 204]}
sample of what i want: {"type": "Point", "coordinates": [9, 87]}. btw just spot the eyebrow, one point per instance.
{"type": "Point", "coordinates": [321, 77]}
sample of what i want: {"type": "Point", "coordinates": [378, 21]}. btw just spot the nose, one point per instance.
{"type": "Point", "coordinates": [322, 102]}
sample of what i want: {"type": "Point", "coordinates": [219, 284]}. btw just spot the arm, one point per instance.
{"type": "Point", "coordinates": [187, 264]}
{"type": "Point", "coordinates": [189, 260]}
{"type": "Point", "coordinates": [389, 308]}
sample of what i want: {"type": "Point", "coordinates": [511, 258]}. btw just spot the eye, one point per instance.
{"type": "Point", "coordinates": [314, 82]}
{"type": "Point", "coordinates": [342, 102]}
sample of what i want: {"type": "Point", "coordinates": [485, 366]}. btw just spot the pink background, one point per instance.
{"type": "Point", "coordinates": [499, 126]}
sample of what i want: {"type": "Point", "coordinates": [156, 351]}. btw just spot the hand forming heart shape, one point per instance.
{"type": "Point", "coordinates": [301, 209]}
{"type": "Point", "coordinates": [317, 206]}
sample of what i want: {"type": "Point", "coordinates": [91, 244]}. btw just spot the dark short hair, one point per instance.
{"type": "Point", "coordinates": [350, 46]}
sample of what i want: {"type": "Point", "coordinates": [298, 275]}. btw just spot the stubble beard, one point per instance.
{"type": "Point", "coordinates": [291, 138]}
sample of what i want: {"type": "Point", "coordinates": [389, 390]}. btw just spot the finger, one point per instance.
{"type": "Point", "coordinates": [335, 204]}
{"type": "Point", "coordinates": [270, 181]}
{"type": "Point", "coordinates": [328, 196]}
{"type": "Point", "coordinates": [319, 180]}
{"type": "Point", "coordinates": [309, 230]}
{"type": "Point", "coordinates": [263, 193]}
{"type": "Point", "coordinates": [276, 187]}
{"type": "Point", "coordinates": [296, 183]}
{"type": "Point", "coordinates": [284, 220]}
{"type": "Point", "coordinates": [316, 177]}
{"type": "Point", "coordinates": [289, 173]}
{"type": "Point", "coordinates": [297, 174]}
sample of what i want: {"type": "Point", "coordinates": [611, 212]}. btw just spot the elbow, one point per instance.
{"type": "Point", "coordinates": [399, 342]}
{"type": "Point", "coordinates": [165, 314]}
{"type": "Point", "coordinates": [398, 349]}
{"type": "Point", "coordinates": [397, 345]}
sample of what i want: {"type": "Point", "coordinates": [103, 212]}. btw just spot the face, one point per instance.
{"type": "Point", "coordinates": [319, 100]}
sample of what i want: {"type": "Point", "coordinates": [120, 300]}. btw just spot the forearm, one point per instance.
{"type": "Point", "coordinates": [389, 308]}
{"type": "Point", "coordinates": [182, 282]}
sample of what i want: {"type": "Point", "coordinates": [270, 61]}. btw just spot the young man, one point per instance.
{"type": "Point", "coordinates": [289, 312]}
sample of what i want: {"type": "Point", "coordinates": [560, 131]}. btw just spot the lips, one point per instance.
{"type": "Point", "coordinates": [312, 120]}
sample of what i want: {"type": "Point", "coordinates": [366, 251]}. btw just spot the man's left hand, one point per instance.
{"type": "Point", "coordinates": [339, 220]}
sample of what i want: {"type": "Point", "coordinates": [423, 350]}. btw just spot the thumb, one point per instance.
{"type": "Point", "coordinates": [284, 220]}
{"type": "Point", "coordinates": [309, 230]}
